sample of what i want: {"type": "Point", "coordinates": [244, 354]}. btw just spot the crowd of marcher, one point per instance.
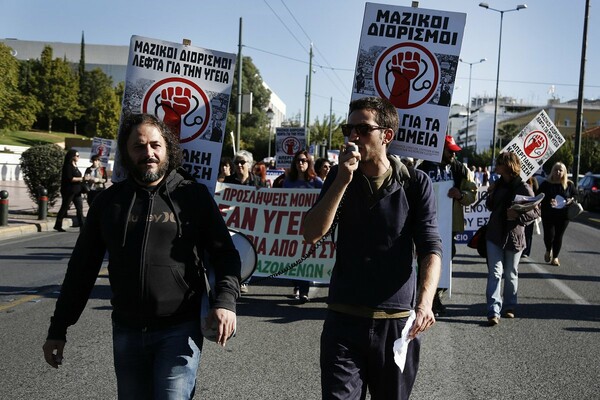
{"type": "Point", "coordinates": [375, 289]}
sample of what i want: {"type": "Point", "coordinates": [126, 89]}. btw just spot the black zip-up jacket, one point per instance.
{"type": "Point", "coordinates": [155, 240]}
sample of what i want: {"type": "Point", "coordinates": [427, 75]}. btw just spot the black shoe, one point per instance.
{"type": "Point", "coordinates": [304, 299]}
{"type": "Point", "coordinates": [59, 229]}
{"type": "Point", "coordinates": [438, 308]}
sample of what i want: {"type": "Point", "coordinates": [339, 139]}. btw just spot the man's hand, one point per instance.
{"type": "Point", "coordinates": [225, 321]}
{"type": "Point", "coordinates": [454, 193]}
{"type": "Point", "coordinates": [54, 358]}
{"type": "Point", "coordinates": [423, 321]}
{"type": "Point", "coordinates": [348, 162]}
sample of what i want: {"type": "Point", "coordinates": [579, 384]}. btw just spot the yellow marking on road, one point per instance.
{"type": "Point", "coordinates": [103, 274]}
{"type": "Point", "coordinates": [20, 301]}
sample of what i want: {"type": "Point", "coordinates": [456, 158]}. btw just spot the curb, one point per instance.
{"type": "Point", "coordinates": [20, 227]}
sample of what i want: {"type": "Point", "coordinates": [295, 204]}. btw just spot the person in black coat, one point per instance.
{"type": "Point", "coordinates": [70, 190]}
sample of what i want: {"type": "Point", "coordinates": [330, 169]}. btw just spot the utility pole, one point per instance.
{"type": "Point", "coordinates": [307, 121]}
{"type": "Point", "coordinates": [238, 115]}
{"type": "Point", "coordinates": [330, 123]}
{"type": "Point", "coordinates": [579, 126]}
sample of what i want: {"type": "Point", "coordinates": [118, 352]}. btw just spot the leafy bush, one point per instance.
{"type": "Point", "coordinates": [42, 166]}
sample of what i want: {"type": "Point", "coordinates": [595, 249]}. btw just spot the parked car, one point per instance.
{"type": "Point", "coordinates": [588, 191]}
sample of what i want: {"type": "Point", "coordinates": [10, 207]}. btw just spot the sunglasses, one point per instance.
{"type": "Point", "coordinates": [361, 129]}
{"type": "Point", "coordinates": [302, 160]}
{"type": "Point", "coordinates": [240, 162]}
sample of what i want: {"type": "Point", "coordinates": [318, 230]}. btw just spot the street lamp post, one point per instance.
{"type": "Point", "coordinates": [486, 6]}
{"type": "Point", "coordinates": [469, 101]}
{"type": "Point", "coordinates": [270, 115]}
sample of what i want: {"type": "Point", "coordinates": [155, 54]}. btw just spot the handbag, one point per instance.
{"type": "Point", "coordinates": [478, 241]}
{"type": "Point", "coordinates": [573, 210]}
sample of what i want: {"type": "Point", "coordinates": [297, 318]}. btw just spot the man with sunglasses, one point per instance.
{"type": "Point", "coordinates": [386, 212]}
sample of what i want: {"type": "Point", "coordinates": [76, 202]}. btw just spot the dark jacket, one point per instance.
{"type": "Point", "coordinates": [551, 190]}
{"type": "Point", "coordinates": [374, 265]}
{"type": "Point", "coordinates": [67, 186]}
{"type": "Point", "coordinates": [508, 234]}
{"type": "Point", "coordinates": [154, 241]}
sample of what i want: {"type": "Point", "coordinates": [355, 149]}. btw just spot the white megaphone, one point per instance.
{"type": "Point", "coordinates": [248, 258]}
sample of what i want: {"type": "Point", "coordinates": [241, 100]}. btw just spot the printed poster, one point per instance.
{"type": "Point", "coordinates": [189, 89]}
{"type": "Point", "coordinates": [535, 144]}
{"type": "Point", "coordinates": [272, 219]}
{"type": "Point", "coordinates": [103, 148]}
{"type": "Point", "coordinates": [288, 141]}
{"type": "Point", "coordinates": [410, 56]}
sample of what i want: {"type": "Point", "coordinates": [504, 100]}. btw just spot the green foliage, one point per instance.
{"type": "Point", "coordinates": [319, 132]}
{"type": "Point", "coordinates": [100, 103]}
{"type": "Point", "coordinates": [17, 111]}
{"type": "Point", "coordinates": [42, 167]}
{"type": "Point", "coordinates": [589, 160]}
{"type": "Point", "coordinates": [256, 124]}
{"type": "Point", "coordinates": [564, 154]}
{"type": "Point", "coordinates": [56, 86]}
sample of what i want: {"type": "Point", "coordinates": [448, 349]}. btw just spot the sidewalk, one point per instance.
{"type": "Point", "coordinates": [23, 212]}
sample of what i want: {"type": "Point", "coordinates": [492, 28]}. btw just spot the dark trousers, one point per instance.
{"type": "Point", "coordinates": [67, 198]}
{"type": "Point", "coordinates": [357, 353]}
{"type": "Point", "coordinates": [554, 229]}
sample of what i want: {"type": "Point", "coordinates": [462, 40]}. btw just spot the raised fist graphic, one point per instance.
{"type": "Point", "coordinates": [405, 67]}
{"type": "Point", "coordinates": [535, 144]}
{"type": "Point", "coordinates": [176, 103]}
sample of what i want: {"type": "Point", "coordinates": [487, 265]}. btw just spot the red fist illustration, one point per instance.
{"type": "Point", "coordinates": [537, 141]}
{"type": "Point", "coordinates": [176, 102]}
{"type": "Point", "coordinates": [404, 67]}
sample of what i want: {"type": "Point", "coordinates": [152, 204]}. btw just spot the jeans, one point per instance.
{"type": "Point", "coordinates": [500, 263]}
{"type": "Point", "coordinates": [158, 364]}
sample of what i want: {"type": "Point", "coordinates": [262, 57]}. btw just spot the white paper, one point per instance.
{"type": "Point", "coordinates": [560, 201]}
{"type": "Point", "coordinates": [401, 345]}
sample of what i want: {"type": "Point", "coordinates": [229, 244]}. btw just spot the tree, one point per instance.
{"type": "Point", "coordinates": [17, 111]}
{"type": "Point", "coordinates": [319, 132]}
{"type": "Point", "coordinates": [506, 133]}
{"type": "Point", "coordinates": [56, 86]}
{"type": "Point", "coordinates": [42, 167]}
{"type": "Point", "coordinates": [564, 154]}
{"type": "Point", "coordinates": [100, 104]}
{"type": "Point", "coordinates": [253, 126]}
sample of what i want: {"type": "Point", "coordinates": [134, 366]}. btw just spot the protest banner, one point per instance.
{"type": "Point", "coordinates": [410, 56]}
{"type": "Point", "coordinates": [476, 215]}
{"type": "Point", "coordinates": [188, 88]}
{"type": "Point", "coordinates": [272, 219]}
{"type": "Point", "coordinates": [535, 144]}
{"type": "Point", "coordinates": [288, 141]}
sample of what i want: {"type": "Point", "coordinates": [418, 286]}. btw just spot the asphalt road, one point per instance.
{"type": "Point", "coordinates": [550, 351]}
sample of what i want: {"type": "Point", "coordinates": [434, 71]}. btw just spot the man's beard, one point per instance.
{"type": "Point", "coordinates": [147, 176]}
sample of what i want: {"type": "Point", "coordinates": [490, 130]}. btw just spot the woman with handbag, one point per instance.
{"type": "Point", "coordinates": [505, 237]}
{"type": "Point", "coordinates": [559, 193]}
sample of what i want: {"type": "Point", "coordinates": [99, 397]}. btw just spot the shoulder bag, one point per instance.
{"type": "Point", "coordinates": [573, 210]}
{"type": "Point", "coordinates": [478, 241]}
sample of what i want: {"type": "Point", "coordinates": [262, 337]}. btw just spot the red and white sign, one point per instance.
{"type": "Point", "coordinates": [535, 144]}
{"type": "Point", "coordinates": [188, 88]}
{"type": "Point", "coordinates": [410, 56]}
{"type": "Point", "coordinates": [288, 142]}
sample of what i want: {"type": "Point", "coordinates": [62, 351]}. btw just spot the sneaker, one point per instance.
{"type": "Point", "coordinates": [304, 299]}
{"type": "Point", "coordinates": [438, 308]}
{"type": "Point", "coordinates": [296, 293]}
{"type": "Point", "coordinates": [493, 321]}
{"type": "Point", "coordinates": [509, 314]}
{"type": "Point", "coordinates": [555, 262]}
{"type": "Point", "coordinates": [548, 256]}
{"type": "Point", "coordinates": [243, 288]}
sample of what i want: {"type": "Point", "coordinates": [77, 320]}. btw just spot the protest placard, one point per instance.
{"type": "Point", "coordinates": [535, 144]}
{"type": "Point", "coordinates": [410, 56]}
{"type": "Point", "coordinates": [188, 88]}
{"type": "Point", "coordinates": [288, 141]}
